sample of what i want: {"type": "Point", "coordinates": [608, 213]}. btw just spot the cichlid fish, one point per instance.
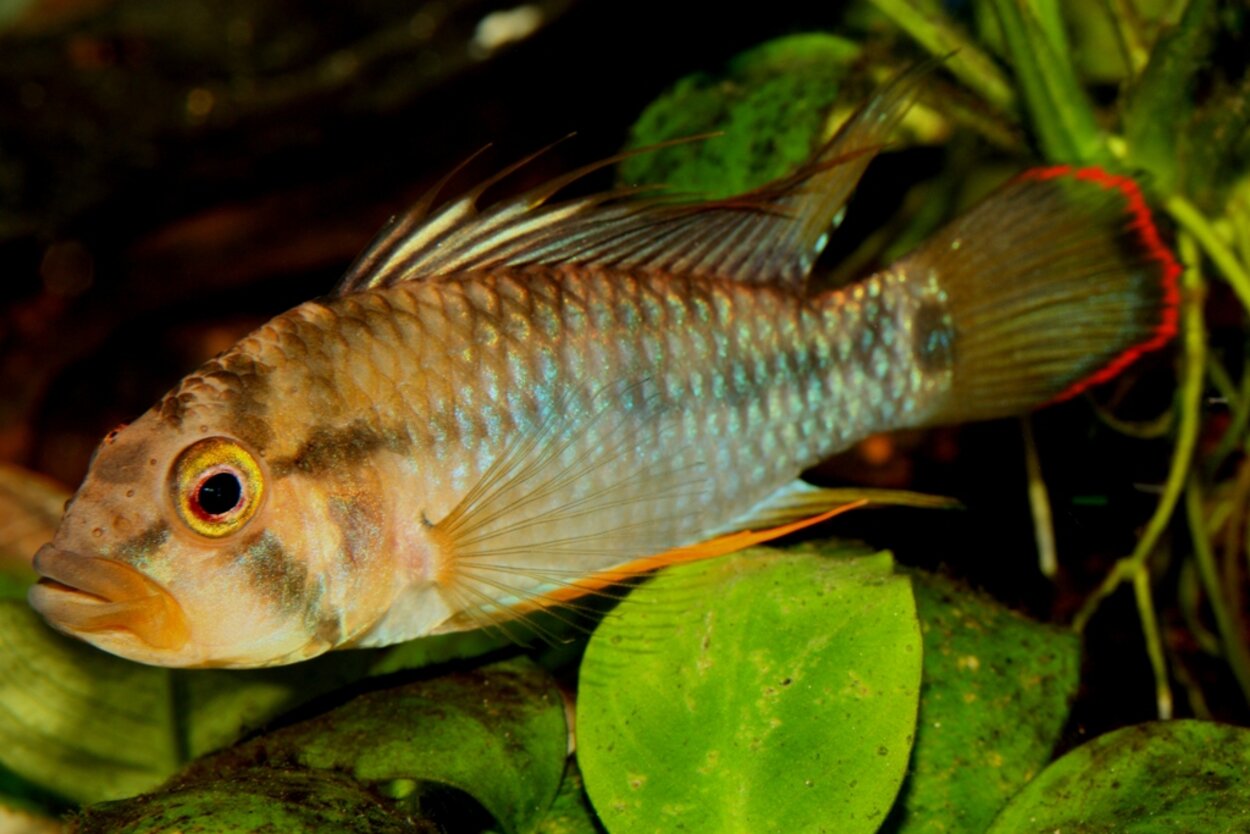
{"type": "Point", "coordinates": [503, 407]}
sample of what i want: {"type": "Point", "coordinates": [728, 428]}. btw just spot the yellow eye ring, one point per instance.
{"type": "Point", "coordinates": [216, 486]}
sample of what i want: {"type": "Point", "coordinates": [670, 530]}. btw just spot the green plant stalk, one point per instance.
{"type": "Point", "coordinates": [1236, 652]}
{"type": "Point", "coordinates": [1039, 503]}
{"type": "Point", "coordinates": [1059, 110]}
{"type": "Point", "coordinates": [1176, 12]}
{"type": "Point", "coordinates": [1239, 402]}
{"type": "Point", "coordinates": [1224, 383]}
{"type": "Point", "coordinates": [1049, 17]}
{"type": "Point", "coordinates": [1193, 691]}
{"type": "Point", "coordinates": [1125, 19]}
{"type": "Point", "coordinates": [1141, 429]}
{"type": "Point", "coordinates": [1190, 593]}
{"type": "Point", "coordinates": [1154, 643]}
{"type": "Point", "coordinates": [1225, 260]}
{"type": "Point", "coordinates": [942, 37]}
{"type": "Point", "coordinates": [1135, 567]}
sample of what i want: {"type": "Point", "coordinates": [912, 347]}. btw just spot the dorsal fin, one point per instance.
{"type": "Point", "coordinates": [770, 235]}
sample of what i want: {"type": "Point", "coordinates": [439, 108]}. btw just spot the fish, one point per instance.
{"type": "Point", "coordinates": [505, 405]}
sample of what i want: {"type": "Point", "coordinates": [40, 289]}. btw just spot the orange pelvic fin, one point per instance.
{"type": "Point", "coordinates": [710, 549]}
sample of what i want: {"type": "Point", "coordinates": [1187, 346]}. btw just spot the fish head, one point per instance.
{"type": "Point", "coordinates": [171, 553]}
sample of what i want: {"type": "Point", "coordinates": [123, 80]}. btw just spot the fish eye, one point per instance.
{"type": "Point", "coordinates": [219, 493]}
{"type": "Point", "coordinates": [217, 486]}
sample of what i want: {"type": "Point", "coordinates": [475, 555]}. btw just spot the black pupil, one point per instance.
{"type": "Point", "coordinates": [220, 494]}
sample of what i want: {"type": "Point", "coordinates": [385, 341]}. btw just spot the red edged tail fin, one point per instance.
{"type": "Point", "coordinates": [1056, 282]}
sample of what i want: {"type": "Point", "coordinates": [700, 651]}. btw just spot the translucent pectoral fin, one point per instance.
{"type": "Point", "coordinates": [587, 488]}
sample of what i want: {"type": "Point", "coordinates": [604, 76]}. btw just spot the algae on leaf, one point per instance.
{"type": "Point", "coordinates": [496, 733]}
{"type": "Point", "coordinates": [772, 105]}
{"type": "Point", "coordinates": [995, 697]}
{"type": "Point", "coordinates": [256, 800]}
{"type": "Point", "coordinates": [784, 700]}
{"type": "Point", "coordinates": [1156, 778]}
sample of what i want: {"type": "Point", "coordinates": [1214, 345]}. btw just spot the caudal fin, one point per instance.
{"type": "Point", "coordinates": [1054, 283]}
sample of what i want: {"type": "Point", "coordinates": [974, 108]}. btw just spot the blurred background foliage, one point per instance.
{"type": "Point", "coordinates": [171, 175]}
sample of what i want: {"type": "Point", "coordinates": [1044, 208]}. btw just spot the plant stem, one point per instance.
{"type": "Point", "coordinates": [1039, 503]}
{"type": "Point", "coordinates": [1225, 260]}
{"type": "Point", "coordinates": [1154, 643]}
{"type": "Point", "coordinates": [1189, 401]}
{"type": "Point", "coordinates": [1235, 650]}
{"type": "Point", "coordinates": [1127, 25]}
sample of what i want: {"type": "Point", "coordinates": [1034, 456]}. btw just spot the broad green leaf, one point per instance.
{"type": "Point", "coordinates": [441, 648]}
{"type": "Point", "coordinates": [759, 692]}
{"type": "Point", "coordinates": [771, 104]}
{"type": "Point", "coordinates": [255, 800]}
{"type": "Point", "coordinates": [1156, 778]}
{"type": "Point", "coordinates": [79, 722]}
{"type": "Point", "coordinates": [497, 733]}
{"type": "Point", "coordinates": [995, 698]}
{"type": "Point", "coordinates": [570, 813]}
{"type": "Point", "coordinates": [89, 726]}
{"type": "Point", "coordinates": [214, 708]}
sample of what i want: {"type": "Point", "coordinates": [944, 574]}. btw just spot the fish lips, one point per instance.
{"type": "Point", "coordinates": [85, 595]}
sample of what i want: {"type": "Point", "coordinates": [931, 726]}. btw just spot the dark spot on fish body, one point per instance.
{"type": "Point", "coordinates": [933, 338]}
{"type": "Point", "coordinates": [138, 550]}
{"type": "Point", "coordinates": [359, 520]}
{"type": "Point", "coordinates": [328, 449]}
{"type": "Point", "coordinates": [277, 575]}
{"type": "Point", "coordinates": [328, 628]}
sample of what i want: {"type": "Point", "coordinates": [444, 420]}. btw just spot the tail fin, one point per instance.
{"type": "Point", "coordinates": [1054, 283]}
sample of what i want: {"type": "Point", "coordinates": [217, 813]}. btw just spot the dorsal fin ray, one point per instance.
{"type": "Point", "coordinates": [770, 235]}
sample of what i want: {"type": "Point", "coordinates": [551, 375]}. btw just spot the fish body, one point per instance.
{"type": "Point", "coordinates": [497, 405]}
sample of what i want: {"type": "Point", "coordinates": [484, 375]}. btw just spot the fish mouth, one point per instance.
{"type": "Point", "coordinates": [90, 594]}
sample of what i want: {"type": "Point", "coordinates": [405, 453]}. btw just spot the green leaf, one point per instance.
{"type": "Point", "coordinates": [255, 800]}
{"type": "Point", "coordinates": [90, 726]}
{"type": "Point", "coordinates": [995, 698]}
{"type": "Point", "coordinates": [1059, 111]}
{"type": "Point", "coordinates": [496, 733]}
{"type": "Point", "coordinates": [440, 648]}
{"type": "Point", "coordinates": [81, 723]}
{"type": "Point", "coordinates": [1155, 778]}
{"type": "Point", "coordinates": [759, 692]}
{"type": "Point", "coordinates": [771, 104]}
{"type": "Point", "coordinates": [570, 813]}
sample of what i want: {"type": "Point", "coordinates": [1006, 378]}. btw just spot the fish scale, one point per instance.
{"type": "Point", "coordinates": [783, 403]}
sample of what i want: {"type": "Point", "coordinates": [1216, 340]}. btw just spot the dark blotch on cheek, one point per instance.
{"type": "Point", "coordinates": [138, 550]}
{"type": "Point", "coordinates": [933, 338]}
{"type": "Point", "coordinates": [276, 574]}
